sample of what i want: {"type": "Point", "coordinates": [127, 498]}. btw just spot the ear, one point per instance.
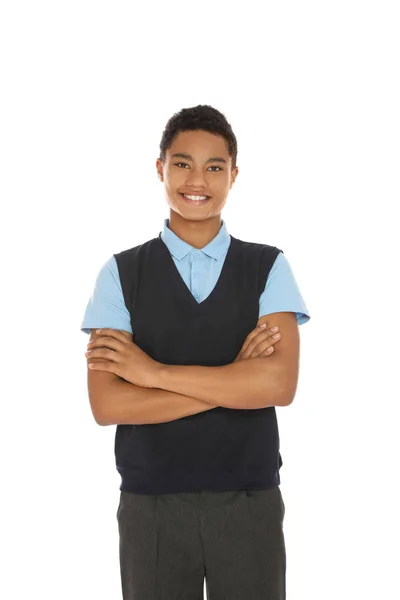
{"type": "Point", "coordinates": [159, 169]}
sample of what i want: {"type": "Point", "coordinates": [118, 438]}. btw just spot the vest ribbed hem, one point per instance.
{"type": "Point", "coordinates": [176, 482]}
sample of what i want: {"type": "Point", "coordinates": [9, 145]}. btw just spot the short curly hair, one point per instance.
{"type": "Point", "coordinates": [203, 117]}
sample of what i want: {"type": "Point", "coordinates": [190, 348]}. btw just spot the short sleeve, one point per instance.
{"type": "Point", "coordinates": [281, 293]}
{"type": "Point", "coordinates": [106, 306]}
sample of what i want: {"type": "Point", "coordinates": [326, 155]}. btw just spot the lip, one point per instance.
{"type": "Point", "coordinates": [194, 194]}
{"type": "Point", "coordinates": [195, 202]}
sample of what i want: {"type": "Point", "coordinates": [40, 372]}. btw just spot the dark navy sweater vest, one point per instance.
{"type": "Point", "coordinates": [216, 450]}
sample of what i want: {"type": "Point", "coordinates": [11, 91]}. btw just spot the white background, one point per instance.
{"type": "Point", "coordinates": [311, 90]}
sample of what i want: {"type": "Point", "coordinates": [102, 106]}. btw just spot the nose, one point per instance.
{"type": "Point", "coordinates": [196, 179]}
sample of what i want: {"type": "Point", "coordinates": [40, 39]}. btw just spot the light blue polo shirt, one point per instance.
{"type": "Point", "coordinates": [200, 269]}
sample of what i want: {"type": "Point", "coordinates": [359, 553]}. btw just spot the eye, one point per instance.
{"type": "Point", "coordinates": [212, 167]}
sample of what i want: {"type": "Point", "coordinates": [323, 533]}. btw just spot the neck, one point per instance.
{"type": "Point", "coordinates": [195, 233]}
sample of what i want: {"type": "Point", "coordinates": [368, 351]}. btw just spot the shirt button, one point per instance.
{"type": "Point", "coordinates": [195, 254]}
{"type": "Point", "coordinates": [196, 274]}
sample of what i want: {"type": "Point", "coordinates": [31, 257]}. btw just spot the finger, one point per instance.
{"type": "Point", "coordinates": [264, 336]}
{"type": "Point", "coordinates": [104, 353]}
{"type": "Point", "coordinates": [106, 366]}
{"type": "Point", "coordinates": [114, 333]}
{"type": "Point", "coordinates": [105, 341]}
{"type": "Point", "coordinates": [251, 336]}
{"type": "Point", "coordinates": [268, 351]}
{"type": "Point", "coordinates": [265, 347]}
{"type": "Point", "coordinates": [99, 366]}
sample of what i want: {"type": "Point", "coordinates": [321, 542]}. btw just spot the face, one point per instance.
{"type": "Point", "coordinates": [205, 170]}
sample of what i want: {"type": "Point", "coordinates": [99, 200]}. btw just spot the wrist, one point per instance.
{"type": "Point", "coordinates": [159, 374]}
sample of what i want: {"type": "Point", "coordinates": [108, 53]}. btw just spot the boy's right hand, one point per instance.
{"type": "Point", "coordinates": [259, 343]}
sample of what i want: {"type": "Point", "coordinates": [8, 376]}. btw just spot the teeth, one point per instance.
{"type": "Point", "coordinates": [196, 197]}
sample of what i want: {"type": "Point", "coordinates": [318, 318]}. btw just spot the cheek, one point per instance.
{"type": "Point", "coordinates": [173, 182]}
{"type": "Point", "coordinates": [221, 188]}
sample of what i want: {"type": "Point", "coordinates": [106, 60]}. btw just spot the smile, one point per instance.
{"type": "Point", "coordinates": [195, 199]}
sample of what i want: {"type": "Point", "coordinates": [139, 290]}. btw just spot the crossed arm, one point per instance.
{"type": "Point", "coordinates": [185, 390]}
{"type": "Point", "coordinates": [247, 384]}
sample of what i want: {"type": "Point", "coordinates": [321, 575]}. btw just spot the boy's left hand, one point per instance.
{"type": "Point", "coordinates": [123, 358]}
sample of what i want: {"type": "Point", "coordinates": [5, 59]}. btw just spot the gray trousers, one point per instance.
{"type": "Point", "coordinates": [170, 543]}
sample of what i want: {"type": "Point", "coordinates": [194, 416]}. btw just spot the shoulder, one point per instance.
{"type": "Point", "coordinates": [106, 306]}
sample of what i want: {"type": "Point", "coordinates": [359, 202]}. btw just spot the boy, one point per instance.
{"type": "Point", "coordinates": [193, 396]}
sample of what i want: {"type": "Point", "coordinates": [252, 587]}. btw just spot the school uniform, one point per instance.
{"type": "Point", "coordinates": [199, 496]}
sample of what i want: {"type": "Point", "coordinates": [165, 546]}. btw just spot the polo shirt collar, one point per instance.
{"type": "Point", "coordinates": [216, 249]}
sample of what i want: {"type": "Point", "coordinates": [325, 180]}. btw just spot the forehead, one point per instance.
{"type": "Point", "coordinates": [201, 144]}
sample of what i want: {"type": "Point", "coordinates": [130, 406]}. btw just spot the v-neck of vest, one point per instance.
{"type": "Point", "coordinates": [180, 283]}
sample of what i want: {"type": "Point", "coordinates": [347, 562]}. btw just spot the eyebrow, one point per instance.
{"type": "Point", "coordinates": [188, 157]}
